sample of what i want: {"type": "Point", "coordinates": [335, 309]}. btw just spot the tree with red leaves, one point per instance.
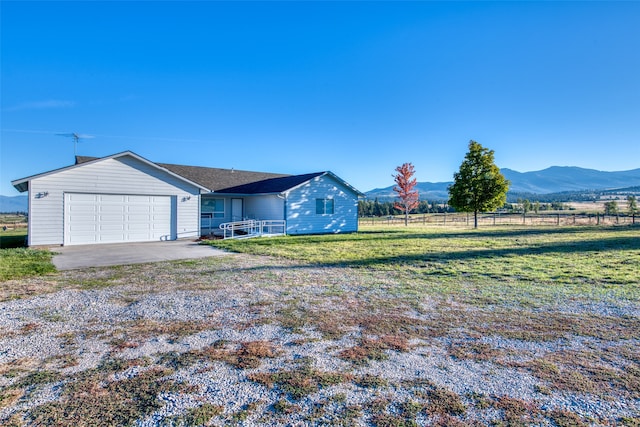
{"type": "Point", "coordinates": [405, 182]}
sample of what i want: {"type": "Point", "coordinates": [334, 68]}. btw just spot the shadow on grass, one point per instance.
{"type": "Point", "coordinates": [588, 247]}
{"type": "Point", "coordinates": [13, 241]}
{"type": "Point", "coordinates": [489, 233]}
{"type": "Point", "coordinates": [433, 233]}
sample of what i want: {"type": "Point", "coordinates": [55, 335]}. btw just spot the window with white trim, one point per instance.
{"type": "Point", "coordinates": [324, 206]}
{"type": "Point", "coordinates": [213, 206]}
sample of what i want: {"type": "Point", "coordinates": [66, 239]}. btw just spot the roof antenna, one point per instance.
{"type": "Point", "coordinates": [76, 137]}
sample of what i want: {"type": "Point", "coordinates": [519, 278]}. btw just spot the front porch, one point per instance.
{"type": "Point", "coordinates": [241, 216]}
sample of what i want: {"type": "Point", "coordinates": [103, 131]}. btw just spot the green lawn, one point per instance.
{"type": "Point", "coordinates": [528, 264]}
{"type": "Point", "coordinates": [16, 261]}
{"type": "Point", "coordinates": [21, 262]}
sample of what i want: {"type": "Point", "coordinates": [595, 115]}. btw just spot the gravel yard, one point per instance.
{"type": "Point", "coordinates": [252, 340]}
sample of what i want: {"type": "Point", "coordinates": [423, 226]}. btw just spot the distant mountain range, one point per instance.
{"type": "Point", "coordinates": [14, 204]}
{"type": "Point", "coordinates": [556, 179]}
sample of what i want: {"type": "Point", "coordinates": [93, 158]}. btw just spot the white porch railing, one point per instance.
{"type": "Point", "coordinates": [206, 223]}
{"type": "Point", "coordinates": [253, 228]}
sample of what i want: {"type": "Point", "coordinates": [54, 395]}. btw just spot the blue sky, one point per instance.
{"type": "Point", "coordinates": [357, 88]}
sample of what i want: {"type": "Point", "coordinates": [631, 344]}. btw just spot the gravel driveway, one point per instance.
{"type": "Point", "coordinates": [257, 341]}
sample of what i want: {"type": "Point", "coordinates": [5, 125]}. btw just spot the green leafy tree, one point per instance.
{"type": "Point", "coordinates": [479, 186]}
{"type": "Point", "coordinates": [611, 208]}
{"type": "Point", "coordinates": [526, 205]}
{"type": "Point", "coordinates": [632, 205]}
{"type": "Point", "coordinates": [405, 184]}
{"type": "Point", "coordinates": [423, 206]}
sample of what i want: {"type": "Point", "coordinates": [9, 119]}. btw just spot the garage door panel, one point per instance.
{"type": "Point", "coordinates": [82, 210]}
{"type": "Point", "coordinates": [83, 215]}
{"type": "Point", "coordinates": [142, 208]}
{"type": "Point", "coordinates": [109, 218]}
{"type": "Point", "coordinates": [140, 199]}
{"type": "Point", "coordinates": [79, 198]}
{"type": "Point", "coordinates": [86, 229]}
{"type": "Point", "coordinates": [145, 210]}
{"type": "Point", "coordinates": [111, 198]}
{"type": "Point", "coordinates": [112, 210]}
{"type": "Point", "coordinates": [112, 227]}
{"type": "Point", "coordinates": [138, 228]}
{"type": "Point", "coordinates": [112, 218]}
{"type": "Point", "coordinates": [110, 239]}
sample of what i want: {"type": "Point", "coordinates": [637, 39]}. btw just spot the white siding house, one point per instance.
{"type": "Point", "coordinates": [323, 204]}
{"type": "Point", "coordinates": [121, 198]}
{"type": "Point", "coordinates": [126, 198]}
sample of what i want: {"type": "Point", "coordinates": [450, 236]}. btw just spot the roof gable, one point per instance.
{"type": "Point", "coordinates": [23, 183]}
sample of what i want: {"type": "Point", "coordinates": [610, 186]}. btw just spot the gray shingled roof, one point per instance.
{"type": "Point", "coordinates": [219, 180]}
{"type": "Point", "coordinates": [232, 181]}
{"type": "Point", "coordinates": [271, 185]}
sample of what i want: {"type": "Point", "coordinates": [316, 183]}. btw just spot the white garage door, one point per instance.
{"type": "Point", "coordinates": [114, 218]}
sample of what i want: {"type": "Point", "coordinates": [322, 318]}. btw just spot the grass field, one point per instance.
{"type": "Point", "coordinates": [386, 327]}
{"type": "Point", "coordinates": [530, 265]}
{"type": "Point", "coordinates": [16, 261]}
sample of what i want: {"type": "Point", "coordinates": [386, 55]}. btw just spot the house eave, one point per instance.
{"type": "Point", "coordinates": [22, 184]}
{"type": "Point", "coordinates": [218, 194]}
{"type": "Point", "coordinates": [334, 176]}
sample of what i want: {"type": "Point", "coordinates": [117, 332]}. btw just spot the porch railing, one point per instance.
{"type": "Point", "coordinates": [253, 228]}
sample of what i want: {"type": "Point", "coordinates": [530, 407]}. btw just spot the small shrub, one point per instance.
{"type": "Point", "coordinates": [370, 381]}
{"type": "Point", "coordinates": [38, 377]}
{"type": "Point", "coordinates": [516, 411]}
{"type": "Point", "coordinates": [284, 407]}
{"type": "Point", "coordinates": [201, 415]}
{"type": "Point", "coordinates": [91, 399]}
{"type": "Point", "coordinates": [445, 402]}
{"type": "Point", "coordinates": [373, 349]}
{"type": "Point", "coordinates": [9, 396]}
{"type": "Point", "coordinates": [565, 418]}
{"type": "Point", "coordinates": [300, 382]}
{"type": "Point", "coordinates": [391, 420]}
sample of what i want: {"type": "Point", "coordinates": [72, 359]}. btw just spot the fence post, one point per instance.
{"type": "Point", "coordinates": [494, 218]}
{"type": "Point", "coordinates": [558, 219]}
{"type": "Point", "coordinates": [598, 218]}
{"type": "Point", "coordinates": [445, 218]}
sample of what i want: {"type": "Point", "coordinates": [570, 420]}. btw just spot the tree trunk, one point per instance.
{"type": "Point", "coordinates": [406, 218]}
{"type": "Point", "coordinates": [475, 219]}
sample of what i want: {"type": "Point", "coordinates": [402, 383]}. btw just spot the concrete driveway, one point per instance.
{"type": "Point", "coordinates": [84, 256]}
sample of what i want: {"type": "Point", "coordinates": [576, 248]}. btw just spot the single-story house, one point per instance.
{"type": "Point", "coordinates": [127, 198]}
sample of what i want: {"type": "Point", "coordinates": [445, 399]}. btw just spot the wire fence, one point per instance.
{"type": "Point", "coordinates": [500, 218]}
